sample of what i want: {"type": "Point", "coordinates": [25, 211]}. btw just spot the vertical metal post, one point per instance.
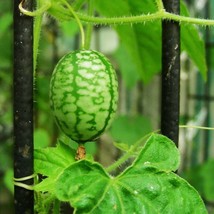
{"type": "Point", "coordinates": [207, 85]}
{"type": "Point", "coordinates": [170, 73]}
{"type": "Point", "coordinates": [23, 106]}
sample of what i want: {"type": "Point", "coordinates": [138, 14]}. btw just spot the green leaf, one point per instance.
{"type": "Point", "coordinates": [128, 68]}
{"type": "Point", "coordinates": [142, 188]}
{"type": "Point", "coordinates": [77, 4]}
{"type": "Point", "coordinates": [160, 152]}
{"type": "Point", "coordinates": [48, 184]}
{"type": "Point", "coordinates": [57, 158]}
{"type": "Point", "coordinates": [122, 146]}
{"type": "Point", "coordinates": [128, 129]}
{"type": "Point", "coordinates": [160, 192]}
{"type": "Point", "coordinates": [142, 42]}
{"type": "Point", "coordinates": [192, 43]}
{"type": "Point", "coordinates": [81, 175]}
{"type": "Point", "coordinates": [69, 28]}
{"type": "Point", "coordinates": [51, 162]}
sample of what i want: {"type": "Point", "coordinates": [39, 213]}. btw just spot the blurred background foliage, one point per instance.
{"type": "Point", "coordinates": [135, 52]}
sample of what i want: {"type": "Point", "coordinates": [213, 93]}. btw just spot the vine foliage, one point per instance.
{"type": "Point", "coordinates": [149, 184]}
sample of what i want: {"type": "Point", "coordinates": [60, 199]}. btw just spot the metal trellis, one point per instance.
{"type": "Point", "coordinates": [170, 73]}
{"type": "Point", "coordinates": [23, 106]}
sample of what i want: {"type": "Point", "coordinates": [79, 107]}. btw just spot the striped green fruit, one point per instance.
{"type": "Point", "coordinates": [83, 94]}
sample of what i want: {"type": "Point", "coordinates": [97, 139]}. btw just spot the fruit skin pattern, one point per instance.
{"type": "Point", "coordinates": [83, 94]}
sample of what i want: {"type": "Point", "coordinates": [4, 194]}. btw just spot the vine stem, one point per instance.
{"type": "Point", "coordinates": [36, 32]}
{"type": "Point", "coordinates": [40, 10]}
{"type": "Point", "coordinates": [78, 22]}
{"type": "Point", "coordinates": [196, 127]}
{"type": "Point", "coordinates": [159, 5]}
{"type": "Point", "coordinates": [189, 20]}
{"type": "Point", "coordinates": [160, 15]}
{"type": "Point", "coordinates": [121, 20]}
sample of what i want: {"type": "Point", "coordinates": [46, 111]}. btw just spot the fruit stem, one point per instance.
{"type": "Point", "coordinates": [81, 152]}
{"type": "Point", "coordinates": [78, 22]}
{"type": "Point", "coordinates": [89, 25]}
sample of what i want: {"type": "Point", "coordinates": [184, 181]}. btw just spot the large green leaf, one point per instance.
{"type": "Point", "coordinates": [51, 162]}
{"type": "Point", "coordinates": [142, 42]}
{"type": "Point", "coordinates": [142, 188]}
{"type": "Point", "coordinates": [57, 158]}
{"type": "Point", "coordinates": [159, 151]}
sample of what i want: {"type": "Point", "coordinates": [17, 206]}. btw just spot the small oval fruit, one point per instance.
{"type": "Point", "coordinates": [83, 94]}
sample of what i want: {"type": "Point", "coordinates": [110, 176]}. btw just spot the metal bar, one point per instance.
{"type": "Point", "coordinates": [201, 97]}
{"type": "Point", "coordinates": [207, 86]}
{"type": "Point", "coordinates": [170, 73]}
{"type": "Point", "coordinates": [23, 106]}
{"type": "Point", "coordinates": [209, 44]}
